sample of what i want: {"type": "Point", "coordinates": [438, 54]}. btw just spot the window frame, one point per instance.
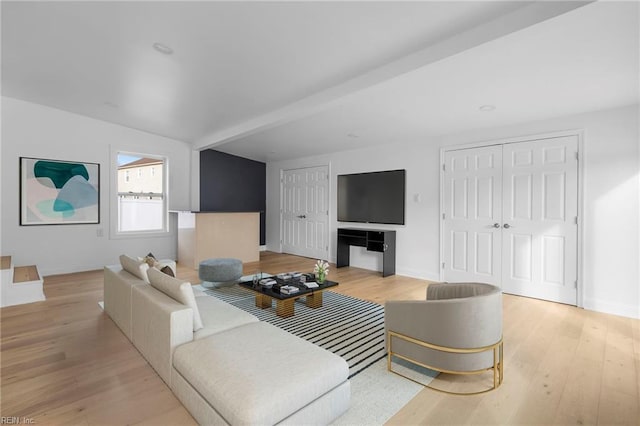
{"type": "Point", "coordinates": [115, 232]}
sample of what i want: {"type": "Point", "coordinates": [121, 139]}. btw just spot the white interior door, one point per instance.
{"type": "Point", "coordinates": [540, 230]}
{"type": "Point", "coordinates": [305, 212]}
{"type": "Point", "coordinates": [528, 192]}
{"type": "Point", "coordinates": [473, 214]}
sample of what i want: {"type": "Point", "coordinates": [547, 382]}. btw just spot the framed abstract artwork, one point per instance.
{"type": "Point", "coordinates": [54, 192]}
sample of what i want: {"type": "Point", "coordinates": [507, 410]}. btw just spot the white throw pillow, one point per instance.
{"type": "Point", "coordinates": [135, 267]}
{"type": "Point", "coordinates": [178, 290]}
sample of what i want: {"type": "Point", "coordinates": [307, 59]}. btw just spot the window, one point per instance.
{"type": "Point", "coordinates": [142, 203]}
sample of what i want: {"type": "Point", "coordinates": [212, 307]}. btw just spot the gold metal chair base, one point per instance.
{"type": "Point", "coordinates": [498, 362]}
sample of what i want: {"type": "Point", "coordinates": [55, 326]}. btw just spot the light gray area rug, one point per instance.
{"type": "Point", "coordinates": [353, 329]}
{"type": "Point", "coordinates": [349, 327]}
{"type": "Point", "coordinates": [377, 395]}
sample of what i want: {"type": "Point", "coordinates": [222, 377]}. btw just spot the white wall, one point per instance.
{"type": "Point", "coordinates": [611, 249]}
{"type": "Point", "coordinates": [611, 202]}
{"type": "Point", "coordinates": [417, 251]}
{"type": "Point", "coordinates": [33, 130]}
{"type": "Point", "coordinates": [611, 244]}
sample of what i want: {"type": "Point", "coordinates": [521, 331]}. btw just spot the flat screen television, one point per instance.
{"type": "Point", "coordinates": [376, 197]}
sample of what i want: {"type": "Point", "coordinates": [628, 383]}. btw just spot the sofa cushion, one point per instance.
{"type": "Point", "coordinates": [443, 291]}
{"type": "Point", "coordinates": [178, 290]}
{"type": "Point", "coordinates": [117, 295]}
{"type": "Point", "coordinates": [219, 316]}
{"type": "Point", "coordinates": [135, 267]}
{"type": "Point", "coordinates": [159, 325]}
{"type": "Point", "coordinates": [258, 373]}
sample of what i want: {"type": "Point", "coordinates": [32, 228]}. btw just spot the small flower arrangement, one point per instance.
{"type": "Point", "coordinates": [321, 269]}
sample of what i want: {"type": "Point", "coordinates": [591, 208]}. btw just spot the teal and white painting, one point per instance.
{"type": "Point", "coordinates": [54, 192]}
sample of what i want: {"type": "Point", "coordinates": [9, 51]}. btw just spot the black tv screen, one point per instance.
{"type": "Point", "coordinates": [377, 197]}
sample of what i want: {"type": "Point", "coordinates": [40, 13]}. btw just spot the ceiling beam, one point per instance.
{"type": "Point", "coordinates": [499, 27]}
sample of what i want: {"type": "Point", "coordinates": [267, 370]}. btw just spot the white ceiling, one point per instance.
{"type": "Point", "coordinates": [274, 80]}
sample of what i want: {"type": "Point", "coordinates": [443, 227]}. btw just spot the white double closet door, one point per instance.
{"type": "Point", "coordinates": [510, 217]}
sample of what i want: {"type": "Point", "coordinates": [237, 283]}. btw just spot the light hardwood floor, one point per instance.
{"type": "Point", "coordinates": [65, 362]}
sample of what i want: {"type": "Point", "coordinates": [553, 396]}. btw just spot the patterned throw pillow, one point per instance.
{"type": "Point", "coordinates": [151, 260]}
{"type": "Point", "coordinates": [167, 270]}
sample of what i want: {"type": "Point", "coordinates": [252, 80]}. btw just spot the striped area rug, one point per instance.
{"type": "Point", "coordinates": [349, 327]}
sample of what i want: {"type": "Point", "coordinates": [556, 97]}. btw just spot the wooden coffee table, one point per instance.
{"type": "Point", "coordinates": [285, 302]}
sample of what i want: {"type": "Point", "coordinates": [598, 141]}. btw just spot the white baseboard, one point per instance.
{"type": "Point", "coordinates": [405, 272]}
{"type": "Point", "coordinates": [72, 269]}
{"type": "Point", "coordinates": [263, 248]}
{"type": "Point", "coordinates": [419, 274]}
{"type": "Point", "coordinates": [624, 310]}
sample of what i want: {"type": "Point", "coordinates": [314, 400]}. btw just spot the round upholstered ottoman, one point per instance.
{"type": "Point", "coordinates": [219, 272]}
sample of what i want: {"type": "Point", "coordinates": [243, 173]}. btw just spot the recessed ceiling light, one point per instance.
{"type": "Point", "coordinates": [162, 48]}
{"type": "Point", "coordinates": [487, 108]}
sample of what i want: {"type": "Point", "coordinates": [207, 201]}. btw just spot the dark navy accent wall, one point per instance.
{"type": "Point", "coordinates": [233, 184]}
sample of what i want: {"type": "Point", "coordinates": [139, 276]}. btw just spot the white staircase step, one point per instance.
{"type": "Point", "coordinates": [5, 262]}
{"type": "Point", "coordinates": [20, 284]}
{"type": "Point", "coordinates": [25, 274]}
{"type": "Point", "coordinates": [6, 271]}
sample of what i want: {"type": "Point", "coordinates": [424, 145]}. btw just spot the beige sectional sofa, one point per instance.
{"type": "Point", "coordinates": [229, 368]}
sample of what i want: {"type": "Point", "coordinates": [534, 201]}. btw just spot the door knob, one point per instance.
{"type": "Point", "coordinates": [507, 226]}
{"type": "Point", "coordinates": [496, 225]}
{"type": "Point", "coordinates": [302, 216]}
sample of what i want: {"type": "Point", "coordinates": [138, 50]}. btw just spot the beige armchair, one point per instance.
{"type": "Point", "coordinates": [457, 330]}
